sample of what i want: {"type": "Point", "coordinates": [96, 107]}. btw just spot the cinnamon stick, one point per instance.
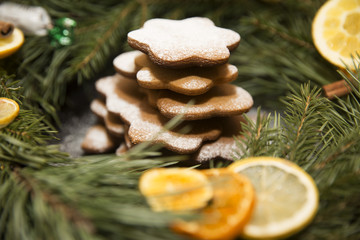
{"type": "Point", "coordinates": [336, 89]}
{"type": "Point", "coordinates": [6, 29]}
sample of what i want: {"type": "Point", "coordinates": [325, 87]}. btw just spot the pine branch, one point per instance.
{"type": "Point", "coordinates": [342, 155]}
{"type": "Point", "coordinates": [260, 22]}
{"type": "Point", "coordinates": [304, 132]}
{"type": "Point", "coordinates": [259, 138]}
{"type": "Point", "coordinates": [24, 140]}
{"type": "Point", "coordinates": [19, 152]}
{"type": "Point", "coordinates": [276, 47]}
{"type": "Point", "coordinates": [339, 160]}
{"type": "Point", "coordinates": [26, 214]}
{"type": "Point", "coordinates": [9, 87]}
{"type": "Point", "coordinates": [102, 190]}
{"type": "Point", "coordinates": [90, 60]}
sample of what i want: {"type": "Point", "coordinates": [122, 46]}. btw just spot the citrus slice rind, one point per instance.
{"type": "Point", "coordinates": [230, 208]}
{"type": "Point", "coordinates": [336, 32]}
{"type": "Point", "coordinates": [287, 197]}
{"type": "Point", "coordinates": [9, 109]}
{"type": "Point", "coordinates": [175, 189]}
{"type": "Point", "coordinates": [11, 44]}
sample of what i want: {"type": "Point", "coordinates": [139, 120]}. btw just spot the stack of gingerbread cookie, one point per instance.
{"type": "Point", "coordinates": [178, 68]}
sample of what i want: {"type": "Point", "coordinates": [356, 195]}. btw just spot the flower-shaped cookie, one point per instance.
{"type": "Point", "coordinates": [188, 81]}
{"type": "Point", "coordinates": [225, 146]}
{"type": "Point", "coordinates": [98, 140]}
{"type": "Point", "coordinates": [146, 124]}
{"type": "Point", "coordinates": [125, 63]}
{"type": "Point", "coordinates": [182, 43]}
{"type": "Point", "coordinates": [113, 124]}
{"type": "Point", "coordinates": [220, 101]}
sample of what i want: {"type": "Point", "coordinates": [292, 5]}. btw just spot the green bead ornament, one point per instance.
{"type": "Point", "coordinates": [62, 34]}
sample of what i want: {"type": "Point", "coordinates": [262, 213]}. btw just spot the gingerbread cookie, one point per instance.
{"type": "Point", "coordinates": [112, 122]}
{"type": "Point", "coordinates": [125, 63]}
{"type": "Point", "coordinates": [182, 43]}
{"type": "Point", "coordinates": [146, 124]}
{"type": "Point", "coordinates": [190, 81]}
{"type": "Point", "coordinates": [128, 143]}
{"type": "Point", "coordinates": [98, 140]}
{"type": "Point", "coordinates": [121, 149]}
{"type": "Point", "coordinates": [221, 100]}
{"type": "Point", "coordinates": [225, 146]}
{"type": "Point", "coordinates": [98, 107]}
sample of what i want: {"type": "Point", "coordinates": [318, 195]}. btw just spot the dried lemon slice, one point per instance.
{"type": "Point", "coordinates": [287, 197]}
{"type": "Point", "coordinates": [336, 31]}
{"type": "Point", "coordinates": [11, 44]}
{"type": "Point", "coordinates": [9, 109]}
{"type": "Point", "coordinates": [175, 189]}
{"type": "Point", "coordinates": [229, 210]}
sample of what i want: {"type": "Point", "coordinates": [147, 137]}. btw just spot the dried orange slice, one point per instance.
{"type": "Point", "coordinates": [287, 197]}
{"type": "Point", "coordinates": [9, 109]}
{"type": "Point", "coordinates": [229, 210]}
{"type": "Point", "coordinates": [336, 31]}
{"type": "Point", "coordinates": [11, 44]}
{"type": "Point", "coordinates": [175, 189]}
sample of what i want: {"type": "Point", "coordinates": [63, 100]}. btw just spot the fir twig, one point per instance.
{"type": "Point", "coordinates": [108, 206]}
{"type": "Point", "coordinates": [105, 43]}
{"type": "Point", "coordinates": [24, 140]}
{"type": "Point", "coordinates": [304, 135]}
{"type": "Point", "coordinates": [259, 138]}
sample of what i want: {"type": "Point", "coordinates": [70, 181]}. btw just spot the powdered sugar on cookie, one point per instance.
{"type": "Point", "coordinates": [190, 81]}
{"type": "Point", "coordinates": [182, 43]}
{"type": "Point", "coordinates": [226, 145]}
{"type": "Point", "coordinates": [222, 100]}
{"type": "Point", "coordinates": [98, 140]}
{"type": "Point", "coordinates": [125, 63]}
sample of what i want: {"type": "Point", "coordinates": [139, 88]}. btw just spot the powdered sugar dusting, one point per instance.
{"type": "Point", "coordinates": [221, 100]}
{"type": "Point", "coordinates": [225, 146]}
{"type": "Point", "coordinates": [97, 140]}
{"type": "Point", "coordinates": [191, 81]}
{"type": "Point", "coordinates": [193, 41]}
{"type": "Point", "coordinates": [125, 63]}
{"type": "Point", "coordinates": [98, 108]}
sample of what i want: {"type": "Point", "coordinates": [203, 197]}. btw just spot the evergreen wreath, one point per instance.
{"type": "Point", "coordinates": [47, 194]}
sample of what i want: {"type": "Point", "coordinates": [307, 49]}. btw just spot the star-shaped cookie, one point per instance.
{"type": "Point", "coordinates": [189, 81]}
{"type": "Point", "coordinates": [220, 101]}
{"type": "Point", "coordinates": [112, 122]}
{"type": "Point", "coordinates": [182, 43]}
{"type": "Point", "coordinates": [98, 140]}
{"type": "Point", "coordinates": [225, 146]}
{"type": "Point", "coordinates": [125, 63]}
